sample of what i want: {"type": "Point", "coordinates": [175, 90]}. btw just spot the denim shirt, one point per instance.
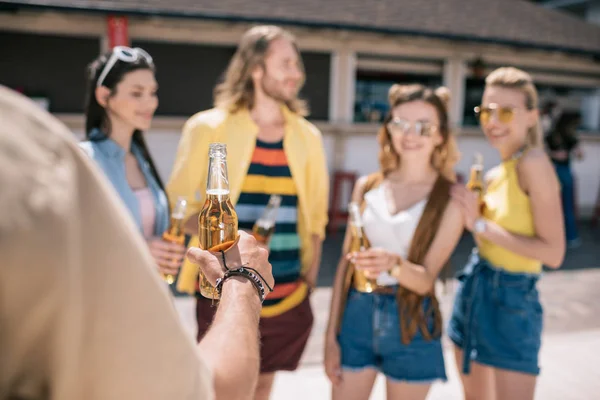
{"type": "Point", "coordinates": [110, 157]}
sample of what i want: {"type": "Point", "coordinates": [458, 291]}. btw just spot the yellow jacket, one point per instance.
{"type": "Point", "coordinates": [303, 146]}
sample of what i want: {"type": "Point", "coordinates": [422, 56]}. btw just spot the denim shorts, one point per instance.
{"type": "Point", "coordinates": [497, 317]}
{"type": "Point", "coordinates": [370, 338]}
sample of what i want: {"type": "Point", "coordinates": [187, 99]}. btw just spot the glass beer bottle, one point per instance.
{"type": "Point", "coordinates": [175, 232]}
{"type": "Point", "coordinates": [475, 182]}
{"type": "Point", "coordinates": [264, 228]}
{"type": "Point", "coordinates": [359, 242]}
{"type": "Point", "coordinates": [217, 222]}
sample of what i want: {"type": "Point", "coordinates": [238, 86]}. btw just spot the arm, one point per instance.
{"type": "Point", "coordinates": [332, 350]}
{"type": "Point", "coordinates": [332, 356]}
{"type": "Point", "coordinates": [231, 345]}
{"type": "Point", "coordinates": [313, 273]}
{"type": "Point", "coordinates": [421, 278]}
{"type": "Point", "coordinates": [418, 278]}
{"type": "Point", "coordinates": [319, 192]}
{"type": "Point", "coordinates": [336, 296]}
{"type": "Point", "coordinates": [538, 179]}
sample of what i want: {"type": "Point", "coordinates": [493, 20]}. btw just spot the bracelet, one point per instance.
{"type": "Point", "coordinates": [247, 273]}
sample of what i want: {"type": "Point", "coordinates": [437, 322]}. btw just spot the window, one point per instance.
{"type": "Point", "coordinates": [371, 97]}
{"type": "Point", "coordinates": [187, 75]}
{"type": "Point", "coordinates": [473, 94]}
{"type": "Point", "coordinates": [50, 69]}
{"type": "Point", "coordinates": [316, 87]}
{"type": "Point", "coordinates": [586, 101]}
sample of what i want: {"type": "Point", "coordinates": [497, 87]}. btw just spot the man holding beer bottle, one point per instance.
{"type": "Point", "coordinates": [271, 150]}
{"type": "Point", "coordinates": [84, 314]}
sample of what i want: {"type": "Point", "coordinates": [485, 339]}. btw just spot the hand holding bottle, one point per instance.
{"type": "Point", "coordinates": [168, 255]}
{"type": "Point", "coordinates": [173, 240]}
{"type": "Point", "coordinates": [374, 261]}
{"type": "Point", "coordinates": [244, 251]}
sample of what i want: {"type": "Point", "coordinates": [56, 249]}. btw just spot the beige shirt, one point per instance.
{"type": "Point", "coordinates": [83, 313]}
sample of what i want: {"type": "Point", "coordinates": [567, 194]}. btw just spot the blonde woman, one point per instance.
{"type": "Point", "coordinates": [413, 227]}
{"type": "Point", "coordinates": [519, 229]}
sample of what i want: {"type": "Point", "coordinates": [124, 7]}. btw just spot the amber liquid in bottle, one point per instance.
{"type": "Point", "coordinates": [264, 228]}
{"type": "Point", "coordinates": [175, 232]}
{"type": "Point", "coordinates": [358, 243]}
{"type": "Point", "coordinates": [475, 182]}
{"type": "Point", "coordinates": [217, 222]}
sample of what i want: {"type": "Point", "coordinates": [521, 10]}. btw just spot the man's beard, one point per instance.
{"type": "Point", "coordinates": [270, 88]}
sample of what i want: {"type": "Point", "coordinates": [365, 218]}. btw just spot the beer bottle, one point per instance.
{"type": "Point", "coordinates": [475, 182]}
{"type": "Point", "coordinates": [217, 222]}
{"type": "Point", "coordinates": [175, 232]}
{"type": "Point", "coordinates": [359, 242]}
{"type": "Point", "coordinates": [264, 228]}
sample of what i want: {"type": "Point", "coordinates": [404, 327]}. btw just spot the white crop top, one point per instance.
{"type": "Point", "coordinates": [393, 233]}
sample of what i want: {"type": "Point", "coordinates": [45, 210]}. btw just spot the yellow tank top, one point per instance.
{"type": "Point", "coordinates": [508, 206]}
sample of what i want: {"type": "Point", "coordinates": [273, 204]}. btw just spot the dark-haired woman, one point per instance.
{"type": "Point", "coordinates": [120, 104]}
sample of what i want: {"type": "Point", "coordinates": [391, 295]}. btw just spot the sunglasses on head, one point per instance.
{"type": "Point", "coordinates": [504, 114]}
{"type": "Point", "coordinates": [125, 54]}
{"type": "Point", "coordinates": [399, 126]}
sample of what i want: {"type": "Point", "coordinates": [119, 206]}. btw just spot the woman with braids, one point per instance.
{"type": "Point", "coordinates": [120, 104]}
{"type": "Point", "coordinates": [412, 227]}
{"type": "Point", "coordinates": [496, 323]}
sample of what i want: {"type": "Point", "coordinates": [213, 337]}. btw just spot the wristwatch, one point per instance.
{"type": "Point", "coordinates": [480, 225]}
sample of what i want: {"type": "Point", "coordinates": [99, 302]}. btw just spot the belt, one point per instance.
{"type": "Point", "coordinates": [385, 290]}
{"type": "Point", "coordinates": [379, 289]}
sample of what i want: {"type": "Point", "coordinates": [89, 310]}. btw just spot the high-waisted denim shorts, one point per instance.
{"type": "Point", "coordinates": [497, 317]}
{"type": "Point", "coordinates": [370, 338]}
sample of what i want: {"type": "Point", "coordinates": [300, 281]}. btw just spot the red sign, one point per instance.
{"type": "Point", "coordinates": [118, 34]}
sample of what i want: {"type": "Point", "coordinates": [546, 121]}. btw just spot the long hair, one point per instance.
{"type": "Point", "coordinates": [237, 89]}
{"type": "Point", "coordinates": [566, 125]}
{"type": "Point", "coordinates": [514, 78]}
{"type": "Point", "coordinates": [96, 116]}
{"type": "Point", "coordinates": [446, 155]}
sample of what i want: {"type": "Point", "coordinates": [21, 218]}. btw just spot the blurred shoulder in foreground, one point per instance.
{"type": "Point", "coordinates": [79, 299]}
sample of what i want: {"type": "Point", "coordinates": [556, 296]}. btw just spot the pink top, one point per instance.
{"type": "Point", "coordinates": [147, 210]}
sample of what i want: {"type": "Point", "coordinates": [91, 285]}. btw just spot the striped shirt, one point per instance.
{"type": "Point", "coordinates": [269, 174]}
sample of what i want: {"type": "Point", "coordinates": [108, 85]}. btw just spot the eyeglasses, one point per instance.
{"type": "Point", "coordinates": [125, 54]}
{"type": "Point", "coordinates": [504, 114]}
{"type": "Point", "coordinates": [398, 126]}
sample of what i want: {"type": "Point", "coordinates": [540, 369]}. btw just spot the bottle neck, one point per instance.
{"type": "Point", "coordinates": [179, 209]}
{"type": "Point", "coordinates": [476, 174]}
{"type": "Point", "coordinates": [270, 214]}
{"type": "Point", "coordinates": [176, 226]}
{"type": "Point", "coordinates": [218, 180]}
